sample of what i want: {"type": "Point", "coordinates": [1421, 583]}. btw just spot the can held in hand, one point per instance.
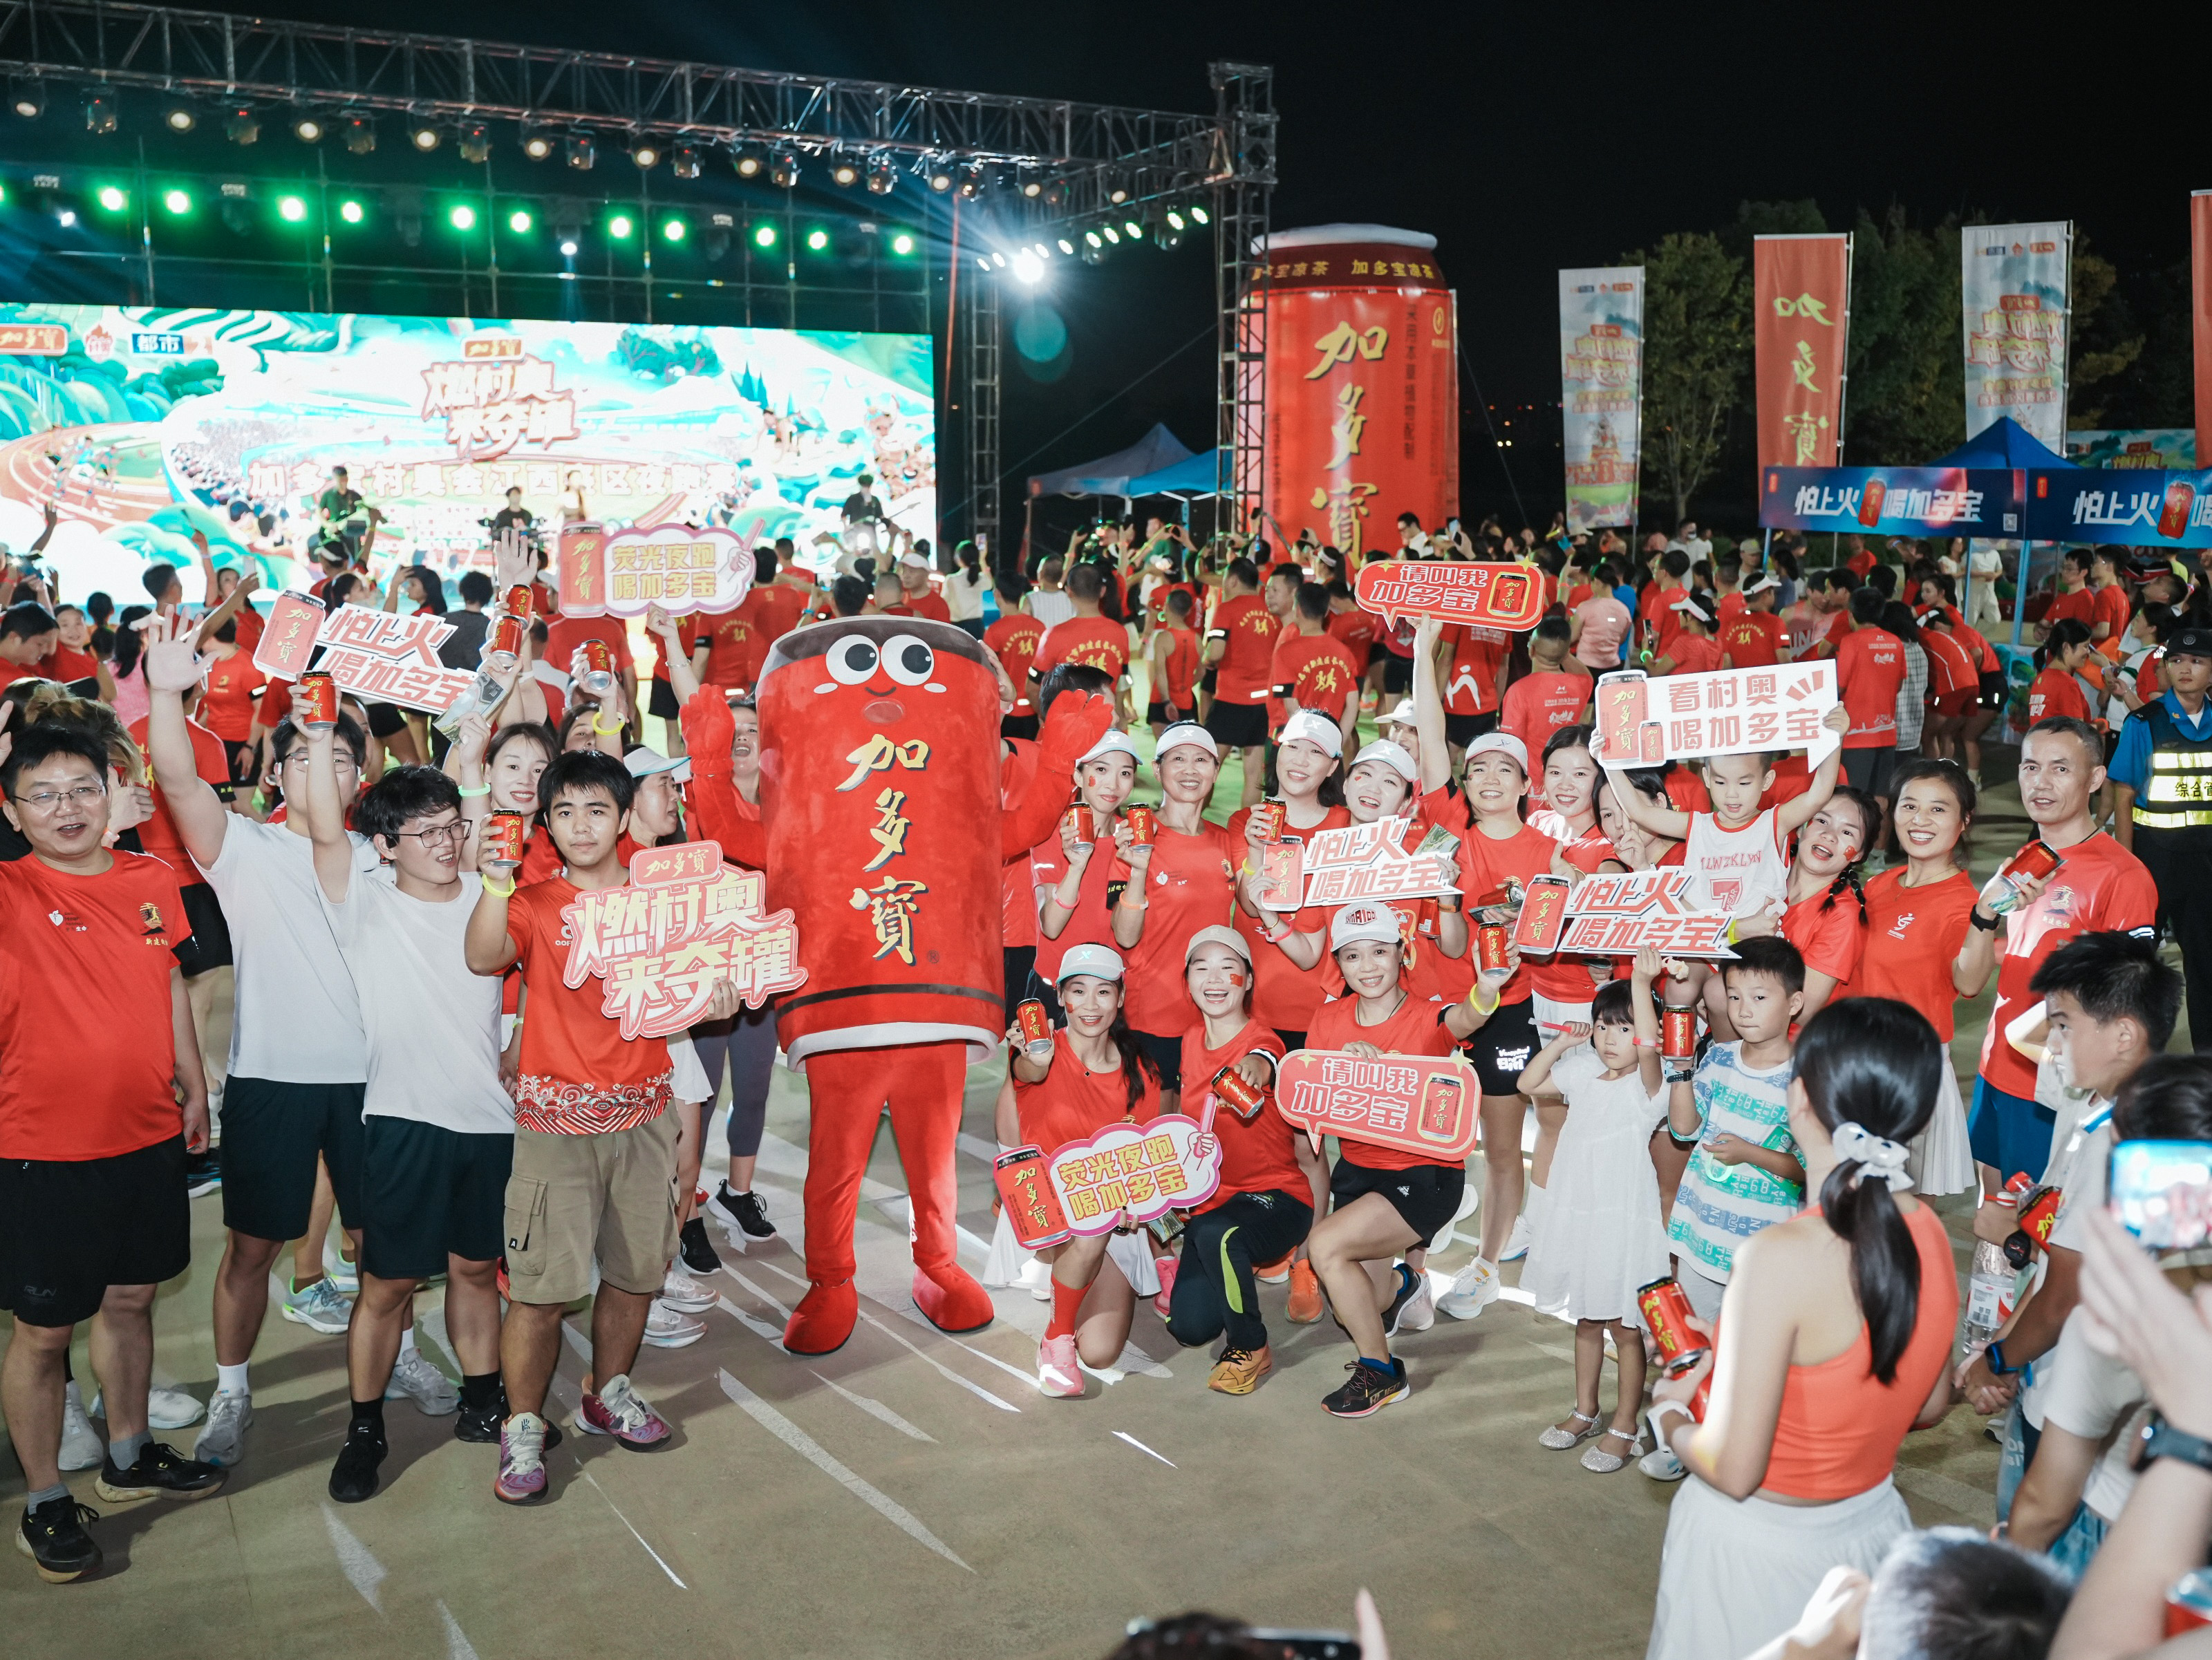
{"type": "Point", "coordinates": [317, 710]}
{"type": "Point", "coordinates": [1666, 1309]}
{"type": "Point", "coordinates": [1269, 815]}
{"type": "Point", "coordinates": [517, 603]}
{"type": "Point", "coordinates": [1677, 1042]}
{"type": "Point", "coordinates": [1143, 826]}
{"type": "Point", "coordinates": [1036, 1028]}
{"type": "Point", "coordinates": [2189, 1602]}
{"type": "Point", "coordinates": [1085, 822]}
{"type": "Point", "coordinates": [599, 667]}
{"type": "Point", "coordinates": [2038, 858]}
{"type": "Point", "coordinates": [503, 834]}
{"type": "Point", "coordinates": [1238, 1093]}
{"type": "Point", "coordinates": [1490, 944]}
{"type": "Point", "coordinates": [2038, 1210]}
{"type": "Point", "coordinates": [506, 648]}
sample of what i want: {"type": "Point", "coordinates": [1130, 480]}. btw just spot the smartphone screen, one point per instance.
{"type": "Point", "coordinates": [2161, 1192]}
{"type": "Point", "coordinates": [1308, 1644]}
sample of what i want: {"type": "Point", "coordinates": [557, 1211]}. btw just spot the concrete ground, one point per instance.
{"type": "Point", "coordinates": [914, 1494]}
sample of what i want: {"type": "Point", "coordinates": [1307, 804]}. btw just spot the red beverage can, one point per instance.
{"type": "Point", "coordinates": [1269, 815]}
{"type": "Point", "coordinates": [1238, 1093]}
{"type": "Point", "coordinates": [1666, 1309]}
{"type": "Point", "coordinates": [1443, 1099]}
{"type": "Point", "coordinates": [2038, 858]}
{"type": "Point", "coordinates": [1651, 743]}
{"type": "Point", "coordinates": [599, 674]}
{"type": "Point", "coordinates": [503, 834]}
{"type": "Point", "coordinates": [1031, 1206]}
{"type": "Point", "coordinates": [1036, 1025]}
{"type": "Point", "coordinates": [2173, 516]}
{"type": "Point", "coordinates": [1085, 822]}
{"type": "Point", "coordinates": [1143, 826]}
{"type": "Point", "coordinates": [1490, 944]}
{"type": "Point", "coordinates": [2189, 1602]}
{"type": "Point", "coordinates": [1870, 500]}
{"type": "Point", "coordinates": [506, 648]}
{"type": "Point", "coordinates": [1679, 1033]}
{"type": "Point", "coordinates": [518, 601]}
{"type": "Point", "coordinates": [317, 709]}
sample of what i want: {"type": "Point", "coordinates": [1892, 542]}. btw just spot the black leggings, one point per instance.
{"type": "Point", "coordinates": [749, 1046]}
{"type": "Point", "coordinates": [1215, 1290]}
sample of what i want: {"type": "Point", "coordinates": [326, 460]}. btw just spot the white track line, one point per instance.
{"type": "Point", "coordinates": [922, 1320]}
{"type": "Point", "coordinates": [878, 1410]}
{"type": "Point", "coordinates": [634, 1533]}
{"type": "Point", "coordinates": [968, 1383]}
{"type": "Point", "coordinates": [458, 1646]}
{"type": "Point", "coordinates": [781, 1310]}
{"type": "Point", "coordinates": [810, 1450]}
{"type": "Point", "coordinates": [760, 1328]}
{"type": "Point", "coordinates": [362, 1570]}
{"type": "Point", "coordinates": [1121, 1435]}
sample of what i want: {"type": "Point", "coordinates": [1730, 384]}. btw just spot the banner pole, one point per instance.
{"type": "Point", "coordinates": [2019, 590]}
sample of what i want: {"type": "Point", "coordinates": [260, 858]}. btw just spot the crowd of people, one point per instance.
{"type": "Point", "coordinates": [403, 1052]}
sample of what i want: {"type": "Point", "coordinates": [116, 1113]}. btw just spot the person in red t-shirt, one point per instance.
{"type": "Point", "coordinates": [2066, 650]}
{"type": "Point", "coordinates": [1856, 559]}
{"type": "Point", "coordinates": [1312, 670]}
{"type": "Point", "coordinates": [1753, 636]}
{"type": "Point", "coordinates": [914, 577]}
{"type": "Point", "coordinates": [1090, 637]}
{"type": "Point", "coordinates": [1554, 692]}
{"type": "Point", "coordinates": [1013, 639]}
{"type": "Point", "coordinates": [1869, 667]}
{"type": "Point", "coordinates": [1473, 685]}
{"type": "Point", "coordinates": [1351, 623]}
{"type": "Point", "coordinates": [1694, 650]}
{"type": "Point", "coordinates": [1826, 917]}
{"type": "Point", "coordinates": [2075, 602]}
{"type": "Point", "coordinates": [1240, 648]}
{"type": "Point", "coordinates": [227, 699]}
{"type": "Point", "coordinates": [1656, 620]}
{"type": "Point", "coordinates": [1173, 653]}
{"type": "Point", "coordinates": [1954, 686]}
{"type": "Point", "coordinates": [1832, 598]}
{"type": "Point", "coordinates": [101, 1096]}
{"type": "Point", "coordinates": [72, 661]}
{"type": "Point", "coordinates": [2115, 608]}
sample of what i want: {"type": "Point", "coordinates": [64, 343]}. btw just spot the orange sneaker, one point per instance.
{"type": "Point", "coordinates": [1305, 1293]}
{"type": "Point", "coordinates": [1272, 1274]}
{"type": "Point", "coordinates": [1240, 1371]}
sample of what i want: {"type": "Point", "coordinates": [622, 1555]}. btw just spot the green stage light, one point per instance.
{"type": "Point", "coordinates": [463, 217]}
{"type": "Point", "coordinates": [818, 240]}
{"type": "Point", "coordinates": [673, 230]}
{"type": "Point", "coordinates": [352, 212]}
{"type": "Point", "coordinates": [113, 199]}
{"type": "Point", "coordinates": [177, 201]}
{"type": "Point", "coordinates": [902, 244]}
{"type": "Point", "coordinates": [292, 209]}
{"type": "Point", "coordinates": [765, 236]}
{"type": "Point", "coordinates": [619, 227]}
{"type": "Point", "coordinates": [517, 220]}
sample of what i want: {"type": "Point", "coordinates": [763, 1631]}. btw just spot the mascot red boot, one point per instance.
{"type": "Point", "coordinates": [880, 829]}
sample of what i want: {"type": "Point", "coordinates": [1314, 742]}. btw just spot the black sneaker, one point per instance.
{"type": "Point", "coordinates": [480, 1424]}
{"type": "Point", "coordinates": [697, 1249]}
{"type": "Point", "coordinates": [353, 1478]}
{"type": "Point", "coordinates": [743, 1211]}
{"type": "Point", "coordinates": [1409, 1287]}
{"type": "Point", "coordinates": [161, 1470]}
{"type": "Point", "coordinates": [1367, 1391]}
{"type": "Point", "coordinates": [54, 1538]}
{"type": "Point", "coordinates": [204, 1173]}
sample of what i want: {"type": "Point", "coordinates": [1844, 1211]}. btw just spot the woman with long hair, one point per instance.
{"type": "Point", "coordinates": [1825, 916]}
{"type": "Point", "coordinates": [1834, 1339]}
{"type": "Point", "coordinates": [2065, 651]}
{"type": "Point", "coordinates": [965, 586]}
{"type": "Point", "coordinates": [1309, 785]}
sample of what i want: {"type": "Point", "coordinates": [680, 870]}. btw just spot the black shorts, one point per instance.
{"type": "Point", "coordinates": [1207, 680]}
{"type": "Point", "coordinates": [1237, 726]}
{"type": "Point", "coordinates": [1160, 715]}
{"type": "Point", "coordinates": [386, 720]}
{"type": "Point", "coordinates": [662, 701]}
{"type": "Point", "coordinates": [1426, 1197]}
{"type": "Point", "coordinates": [1502, 1045]}
{"type": "Point", "coordinates": [1870, 770]}
{"type": "Point", "coordinates": [239, 758]}
{"type": "Point", "coordinates": [1376, 651]}
{"type": "Point", "coordinates": [1397, 673]}
{"type": "Point", "coordinates": [1993, 688]}
{"type": "Point", "coordinates": [427, 1193]}
{"type": "Point", "coordinates": [1166, 1055]}
{"type": "Point", "coordinates": [272, 1133]}
{"type": "Point", "coordinates": [69, 1229]}
{"type": "Point", "coordinates": [1018, 726]}
{"type": "Point", "coordinates": [1460, 730]}
{"type": "Point", "coordinates": [1019, 959]}
{"type": "Point", "coordinates": [209, 945]}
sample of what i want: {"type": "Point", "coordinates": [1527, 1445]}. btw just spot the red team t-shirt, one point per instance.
{"type": "Point", "coordinates": [1869, 667]}
{"type": "Point", "coordinates": [579, 1076]}
{"type": "Point", "coordinates": [1188, 886]}
{"type": "Point", "coordinates": [1694, 654]}
{"type": "Point", "coordinates": [1537, 706]}
{"type": "Point", "coordinates": [1075, 1103]}
{"type": "Point", "coordinates": [1319, 671]}
{"type": "Point", "coordinates": [1912, 934]}
{"type": "Point", "coordinates": [1242, 675]}
{"type": "Point", "coordinates": [1015, 638]}
{"type": "Point", "coordinates": [1098, 643]}
{"type": "Point", "coordinates": [1256, 1157]}
{"type": "Point", "coordinates": [1753, 639]}
{"type": "Point", "coordinates": [227, 704]}
{"type": "Point", "coordinates": [158, 835]}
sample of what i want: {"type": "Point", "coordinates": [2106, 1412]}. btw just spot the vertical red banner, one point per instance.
{"type": "Point", "coordinates": [1800, 314]}
{"type": "Point", "coordinates": [2200, 306]}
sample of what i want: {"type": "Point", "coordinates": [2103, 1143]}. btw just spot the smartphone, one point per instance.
{"type": "Point", "coordinates": [1307, 1644]}
{"type": "Point", "coordinates": [2161, 1192]}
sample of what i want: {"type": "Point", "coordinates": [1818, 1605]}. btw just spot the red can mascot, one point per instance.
{"type": "Point", "coordinates": [880, 829]}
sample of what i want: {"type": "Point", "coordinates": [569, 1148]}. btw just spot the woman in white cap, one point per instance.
{"type": "Point", "coordinates": [1078, 891]}
{"type": "Point", "coordinates": [1096, 1074]}
{"type": "Point", "coordinates": [1308, 778]}
{"type": "Point", "coordinates": [1385, 1202]}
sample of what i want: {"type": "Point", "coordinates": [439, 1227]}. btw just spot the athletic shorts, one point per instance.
{"type": "Point", "coordinates": [2011, 1132]}
{"type": "Point", "coordinates": [272, 1133]}
{"type": "Point", "coordinates": [1426, 1197]}
{"type": "Point", "coordinates": [428, 1193]}
{"type": "Point", "coordinates": [1018, 726]}
{"type": "Point", "coordinates": [1166, 1054]}
{"type": "Point", "coordinates": [1993, 688]}
{"type": "Point", "coordinates": [210, 945]}
{"type": "Point", "coordinates": [238, 758]}
{"type": "Point", "coordinates": [1502, 1045]}
{"type": "Point", "coordinates": [662, 701]}
{"type": "Point", "coordinates": [571, 1198]}
{"type": "Point", "coordinates": [71, 1228]}
{"type": "Point", "coordinates": [1870, 770]}
{"type": "Point", "coordinates": [1237, 726]}
{"type": "Point", "coordinates": [386, 720]}
{"type": "Point", "coordinates": [1160, 715]}
{"type": "Point", "coordinates": [1956, 703]}
{"type": "Point", "coordinates": [1397, 673]}
{"type": "Point", "coordinates": [1460, 730]}
{"type": "Point", "coordinates": [1206, 680]}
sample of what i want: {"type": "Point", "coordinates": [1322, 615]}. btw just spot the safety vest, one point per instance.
{"type": "Point", "coordinates": [2178, 793]}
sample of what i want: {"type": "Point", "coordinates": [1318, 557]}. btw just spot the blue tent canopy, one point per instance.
{"type": "Point", "coordinates": [1194, 475]}
{"type": "Point", "coordinates": [1109, 475]}
{"type": "Point", "coordinates": [2003, 442]}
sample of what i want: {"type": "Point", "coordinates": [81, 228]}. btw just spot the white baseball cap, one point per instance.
{"type": "Point", "coordinates": [1366, 920]}
{"type": "Point", "coordinates": [1402, 715]}
{"type": "Point", "coordinates": [1218, 933]}
{"type": "Point", "coordinates": [1319, 730]}
{"type": "Point", "coordinates": [1093, 960]}
{"type": "Point", "coordinates": [919, 561]}
{"type": "Point", "coordinates": [1115, 742]}
{"type": "Point", "coordinates": [643, 763]}
{"type": "Point", "coordinates": [1390, 755]}
{"type": "Point", "coordinates": [1504, 743]}
{"type": "Point", "coordinates": [1182, 732]}
{"type": "Point", "coordinates": [1766, 581]}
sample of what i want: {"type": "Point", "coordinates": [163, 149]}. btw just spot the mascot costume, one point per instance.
{"type": "Point", "coordinates": [880, 829]}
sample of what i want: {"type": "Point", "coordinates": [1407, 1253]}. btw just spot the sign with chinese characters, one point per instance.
{"type": "Point", "coordinates": [1132, 1172]}
{"type": "Point", "coordinates": [679, 569]}
{"type": "Point", "coordinates": [1906, 501]}
{"type": "Point", "coordinates": [287, 645]}
{"type": "Point", "coordinates": [685, 923]}
{"type": "Point", "coordinates": [379, 657]}
{"type": "Point", "coordinates": [1731, 711]}
{"type": "Point", "coordinates": [1616, 914]}
{"type": "Point", "coordinates": [1459, 593]}
{"type": "Point", "coordinates": [1600, 385]}
{"type": "Point", "coordinates": [1369, 862]}
{"type": "Point", "coordinates": [32, 340]}
{"type": "Point", "coordinates": [490, 404]}
{"type": "Point", "coordinates": [2143, 509]}
{"type": "Point", "coordinates": [2013, 283]}
{"type": "Point", "coordinates": [1423, 1104]}
{"type": "Point", "coordinates": [1801, 311]}
{"type": "Point", "coordinates": [2146, 449]}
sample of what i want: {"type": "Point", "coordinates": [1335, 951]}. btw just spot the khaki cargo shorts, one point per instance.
{"type": "Point", "coordinates": [572, 1198]}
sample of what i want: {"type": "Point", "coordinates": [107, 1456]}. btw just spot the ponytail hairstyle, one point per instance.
{"type": "Point", "coordinates": [130, 644]}
{"type": "Point", "coordinates": [1136, 1065]}
{"type": "Point", "coordinates": [1873, 1064]}
{"type": "Point", "coordinates": [2061, 635]}
{"type": "Point", "coordinates": [1848, 880]}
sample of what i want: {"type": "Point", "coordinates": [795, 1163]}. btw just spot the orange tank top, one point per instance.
{"type": "Point", "coordinates": [1840, 1429]}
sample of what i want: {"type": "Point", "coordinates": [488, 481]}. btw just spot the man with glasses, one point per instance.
{"type": "Point", "coordinates": [439, 1136]}
{"type": "Point", "coordinates": [100, 1097]}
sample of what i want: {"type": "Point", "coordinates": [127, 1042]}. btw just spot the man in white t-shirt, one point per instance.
{"type": "Point", "coordinates": [439, 1141]}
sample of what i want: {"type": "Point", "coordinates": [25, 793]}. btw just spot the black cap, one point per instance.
{"type": "Point", "coordinates": [2190, 643]}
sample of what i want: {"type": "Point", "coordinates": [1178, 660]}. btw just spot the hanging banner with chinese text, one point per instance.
{"type": "Point", "coordinates": [1600, 391]}
{"type": "Point", "coordinates": [1800, 314]}
{"type": "Point", "coordinates": [1903, 501]}
{"type": "Point", "coordinates": [685, 923]}
{"type": "Point", "coordinates": [1423, 1104]}
{"type": "Point", "coordinates": [2142, 509]}
{"type": "Point", "coordinates": [1459, 593]}
{"type": "Point", "coordinates": [1731, 711]}
{"type": "Point", "coordinates": [2013, 283]}
{"type": "Point", "coordinates": [678, 568]}
{"type": "Point", "coordinates": [1133, 1172]}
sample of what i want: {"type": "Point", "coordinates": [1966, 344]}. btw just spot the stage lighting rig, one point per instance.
{"type": "Point", "coordinates": [883, 176]}
{"type": "Point", "coordinates": [475, 144]}
{"type": "Point", "coordinates": [241, 126]}
{"type": "Point", "coordinates": [99, 114]}
{"type": "Point", "coordinates": [308, 129]}
{"type": "Point", "coordinates": [537, 143]}
{"type": "Point", "coordinates": [783, 173]}
{"type": "Point", "coordinates": [424, 137]}
{"type": "Point", "coordinates": [360, 133]}
{"type": "Point", "coordinates": [1117, 188]}
{"type": "Point", "coordinates": [939, 177]}
{"type": "Point", "coordinates": [645, 154]}
{"type": "Point", "coordinates": [1055, 193]}
{"type": "Point", "coordinates": [749, 160]}
{"type": "Point", "coordinates": [179, 117]}
{"type": "Point", "coordinates": [683, 161]}
{"type": "Point", "coordinates": [580, 150]}
{"type": "Point", "coordinates": [971, 181]}
{"type": "Point", "coordinates": [844, 171]}
{"type": "Point", "coordinates": [27, 96]}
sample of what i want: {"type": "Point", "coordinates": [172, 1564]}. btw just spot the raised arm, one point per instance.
{"type": "Point", "coordinates": [325, 812]}
{"type": "Point", "coordinates": [174, 668]}
{"type": "Point", "coordinates": [1429, 706]}
{"type": "Point", "coordinates": [708, 728]}
{"type": "Point", "coordinates": [1074, 725]}
{"type": "Point", "coordinates": [1797, 812]}
{"type": "Point", "coordinates": [683, 678]}
{"type": "Point", "coordinates": [1670, 823]}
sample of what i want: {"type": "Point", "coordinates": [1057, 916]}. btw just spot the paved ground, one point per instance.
{"type": "Point", "coordinates": [912, 1495]}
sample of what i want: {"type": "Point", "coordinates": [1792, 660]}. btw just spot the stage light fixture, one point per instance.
{"type": "Point", "coordinates": [1112, 236]}
{"type": "Point", "coordinates": [784, 172]}
{"type": "Point", "coordinates": [580, 150]}
{"type": "Point", "coordinates": [567, 247]}
{"type": "Point", "coordinates": [111, 198]}
{"type": "Point", "coordinates": [1067, 247]}
{"type": "Point", "coordinates": [818, 240]}
{"type": "Point", "coordinates": [1117, 189]}
{"type": "Point", "coordinates": [1166, 237]}
{"type": "Point", "coordinates": [1174, 218]}
{"type": "Point", "coordinates": [764, 236]}
{"type": "Point", "coordinates": [1055, 193]}
{"type": "Point", "coordinates": [620, 227]}
{"type": "Point", "coordinates": [750, 162]}
{"type": "Point", "coordinates": [179, 117]}
{"type": "Point", "coordinates": [883, 177]}
{"type": "Point", "coordinates": [1133, 229]}
{"type": "Point", "coordinates": [1090, 240]}
{"type": "Point", "coordinates": [475, 144]}
{"type": "Point", "coordinates": [66, 218]}
{"type": "Point", "coordinates": [1094, 252]}
{"type": "Point", "coordinates": [360, 133]}
{"type": "Point", "coordinates": [645, 154]}
{"type": "Point", "coordinates": [982, 264]}
{"type": "Point", "coordinates": [844, 171]}
{"type": "Point", "coordinates": [291, 210]}
{"type": "Point", "coordinates": [1027, 267]}
{"type": "Point", "coordinates": [683, 161]}
{"type": "Point", "coordinates": [1032, 186]}
{"type": "Point", "coordinates": [27, 96]}
{"type": "Point", "coordinates": [424, 137]}
{"type": "Point", "coordinates": [1198, 214]}
{"type": "Point", "coordinates": [971, 182]}
{"type": "Point", "coordinates": [674, 230]}
{"type": "Point", "coordinates": [998, 259]}
{"type": "Point", "coordinates": [308, 130]}
{"type": "Point", "coordinates": [241, 126]}
{"type": "Point", "coordinates": [519, 222]}
{"type": "Point", "coordinates": [352, 212]}
{"type": "Point", "coordinates": [537, 143]}
{"type": "Point", "coordinates": [938, 178]}
{"type": "Point", "coordinates": [902, 244]}
{"type": "Point", "coordinates": [462, 217]}
{"type": "Point", "coordinates": [99, 113]}
{"type": "Point", "coordinates": [178, 202]}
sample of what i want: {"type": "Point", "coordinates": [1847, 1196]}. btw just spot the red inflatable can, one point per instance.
{"type": "Point", "coordinates": [879, 755]}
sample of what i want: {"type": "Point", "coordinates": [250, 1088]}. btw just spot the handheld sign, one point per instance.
{"type": "Point", "coordinates": [288, 640]}
{"type": "Point", "coordinates": [1731, 711]}
{"type": "Point", "coordinates": [1459, 593]}
{"type": "Point", "coordinates": [1369, 862]}
{"type": "Point", "coordinates": [376, 656]}
{"type": "Point", "coordinates": [1134, 1171]}
{"type": "Point", "coordinates": [679, 569]}
{"type": "Point", "coordinates": [1617, 914]}
{"type": "Point", "coordinates": [1423, 1104]}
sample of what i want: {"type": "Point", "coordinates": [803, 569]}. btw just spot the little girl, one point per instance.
{"type": "Point", "coordinates": [1599, 1236]}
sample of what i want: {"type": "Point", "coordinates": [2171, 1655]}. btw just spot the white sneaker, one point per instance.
{"type": "Point", "coordinates": [1036, 1277]}
{"type": "Point", "coordinates": [413, 1379]}
{"type": "Point", "coordinates": [1418, 1311]}
{"type": "Point", "coordinates": [165, 1409]}
{"type": "Point", "coordinates": [223, 1443]}
{"type": "Point", "coordinates": [1516, 1243]}
{"type": "Point", "coordinates": [1662, 1465]}
{"type": "Point", "coordinates": [1473, 1290]}
{"type": "Point", "coordinates": [321, 1307]}
{"type": "Point", "coordinates": [345, 1275]}
{"type": "Point", "coordinates": [671, 1328]}
{"type": "Point", "coordinates": [81, 1447]}
{"type": "Point", "coordinates": [680, 1290]}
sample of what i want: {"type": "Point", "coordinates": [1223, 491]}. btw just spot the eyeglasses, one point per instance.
{"type": "Point", "coordinates": [48, 800]}
{"type": "Point", "coordinates": [438, 834]}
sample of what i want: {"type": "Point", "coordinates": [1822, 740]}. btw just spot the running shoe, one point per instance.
{"type": "Point", "coordinates": [345, 1275]}
{"type": "Point", "coordinates": [204, 1172]}
{"type": "Point", "coordinates": [618, 1410]}
{"type": "Point", "coordinates": [1272, 1274]}
{"type": "Point", "coordinates": [680, 1290]}
{"type": "Point", "coordinates": [669, 1328]}
{"type": "Point", "coordinates": [1662, 1465]}
{"type": "Point", "coordinates": [1367, 1391]}
{"type": "Point", "coordinates": [54, 1538]}
{"type": "Point", "coordinates": [1240, 1370]}
{"type": "Point", "coordinates": [1305, 1292]}
{"type": "Point", "coordinates": [165, 1409]}
{"type": "Point", "coordinates": [320, 1307]}
{"type": "Point", "coordinates": [81, 1447]}
{"type": "Point", "coordinates": [1058, 1373]}
{"type": "Point", "coordinates": [354, 1477]}
{"type": "Point", "coordinates": [522, 1478]}
{"type": "Point", "coordinates": [413, 1379]}
{"type": "Point", "coordinates": [1516, 1243]}
{"type": "Point", "coordinates": [743, 1211]}
{"type": "Point", "coordinates": [1415, 1309]}
{"type": "Point", "coordinates": [696, 1249]}
{"type": "Point", "coordinates": [480, 1424]}
{"type": "Point", "coordinates": [161, 1470]}
{"type": "Point", "coordinates": [1472, 1291]}
{"type": "Point", "coordinates": [222, 1442]}
{"type": "Point", "coordinates": [1165, 1267]}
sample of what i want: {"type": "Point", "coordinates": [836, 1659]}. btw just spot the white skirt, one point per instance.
{"type": "Point", "coordinates": [687, 1079]}
{"type": "Point", "coordinates": [1942, 1159]}
{"type": "Point", "coordinates": [1734, 1574]}
{"type": "Point", "coordinates": [1133, 1254]}
{"type": "Point", "coordinates": [1003, 1264]}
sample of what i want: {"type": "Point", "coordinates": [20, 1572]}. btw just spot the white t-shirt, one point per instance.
{"type": "Point", "coordinates": [1737, 871]}
{"type": "Point", "coordinates": [298, 1018]}
{"type": "Point", "coordinates": [964, 600]}
{"type": "Point", "coordinates": [433, 1025]}
{"type": "Point", "coordinates": [2093, 1395]}
{"type": "Point", "coordinates": [1050, 606]}
{"type": "Point", "coordinates": [2080, 1144]}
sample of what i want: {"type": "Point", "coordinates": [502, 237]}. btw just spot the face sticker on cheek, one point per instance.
{"type": "Point", "coordinates": [1236, 979]}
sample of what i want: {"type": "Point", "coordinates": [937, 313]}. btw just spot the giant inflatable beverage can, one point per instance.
{"type": "Point", "coordinates": [879, 747]}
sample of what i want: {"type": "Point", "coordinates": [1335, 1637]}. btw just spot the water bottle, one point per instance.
{"type": "Point", "coordinates": [1989, 1286]}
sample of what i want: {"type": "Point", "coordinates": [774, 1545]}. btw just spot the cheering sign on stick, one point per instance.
{"type": "Point", "coordinates": [1415, 1103]}
{"type": "Point", "coordinates": [1642, 723]}
{"type": "Point", "coordinates": [1457, 593]}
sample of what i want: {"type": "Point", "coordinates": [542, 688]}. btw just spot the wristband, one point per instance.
{"type": "Point", "coordinates": [1647, 1043]}
{"type": "Point", "coordinates": [1993, 1356]}
{"type": "Point", "coordinates": [1474, 999]}
{"type": "Point", "coordinates": [1730, 935]}
{"type": "Point", "coordinates": [604, 731]}
{"type": "Point", "coordinates": [1974, 916]}
{"type": "Point", "coordinates": [506, 893]}
{"type": "Point", "coordinates": [1660, 1412]}
{"type": "Point", "coordinates": [468, 794]}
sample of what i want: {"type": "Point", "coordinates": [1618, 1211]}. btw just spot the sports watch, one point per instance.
{"type": "Point", "coordinates": [2161, 1439]}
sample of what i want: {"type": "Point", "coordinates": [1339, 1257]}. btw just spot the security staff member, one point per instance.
{"type": "Point", "coordinates": [2161, 774]}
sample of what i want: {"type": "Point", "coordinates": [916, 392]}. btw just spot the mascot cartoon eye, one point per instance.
{"type": "Point", "coordinates": [852, 661]}
{"type": "Point", "coordinates": [906, 660]}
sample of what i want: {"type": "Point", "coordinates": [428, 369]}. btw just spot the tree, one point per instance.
{"type": "Point", "coordinates": [1697, 357]}
{"type": "Point", "coordinates": [2102, 341]}
{"type": "Point", "coordinates": [1905, 401]}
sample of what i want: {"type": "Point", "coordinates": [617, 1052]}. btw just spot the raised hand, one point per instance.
{"type": "Point", "coordinates": [172, 664]}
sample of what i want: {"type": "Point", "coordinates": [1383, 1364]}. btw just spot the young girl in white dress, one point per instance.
{"type": "Point", "coordinates": [1599, 1238]}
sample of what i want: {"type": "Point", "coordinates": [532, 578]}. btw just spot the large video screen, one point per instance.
{"type": "Point", "coordinates": [142, 425]}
